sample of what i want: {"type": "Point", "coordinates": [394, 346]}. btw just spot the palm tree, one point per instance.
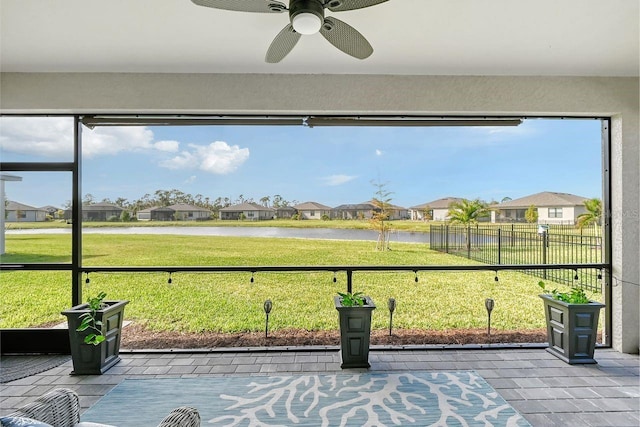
{"type": "Point", "coordinates": [593, 214]}
{"type": "Point", "coordinates": [467, 212]}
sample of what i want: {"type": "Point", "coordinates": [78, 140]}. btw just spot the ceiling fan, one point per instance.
{"type": "Point", "coordinates": [306, 17]}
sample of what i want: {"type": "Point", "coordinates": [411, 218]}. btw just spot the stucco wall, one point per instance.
{"type": "Point", "coordinates": [369, 94]}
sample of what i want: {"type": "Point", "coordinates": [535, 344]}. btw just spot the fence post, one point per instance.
{"type": "Point", "coordinates": [469, 241]}
{"type": "Point", "coordinates": [349, 281]}
{"type": "Point", "coordinates": [513, 235]}
{"type": "Point", "coordinates": [544, 252]}
{"type": "Point", "coordinates": [446, 232]}
{"type": "Point", "coordinates": [499, 246]}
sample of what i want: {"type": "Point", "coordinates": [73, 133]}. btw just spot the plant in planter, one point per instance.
{"type": "Point", "coordinates": [94, 334]}
{"type": "Point", "coordinates": [572, 324]}
{"type": "Point", "coordinates": [354, 310]}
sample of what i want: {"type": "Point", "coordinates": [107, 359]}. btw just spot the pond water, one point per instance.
{"type": "Point", "coordinates": [275, 232]}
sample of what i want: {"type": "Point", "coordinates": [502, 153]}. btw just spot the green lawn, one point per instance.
{"type": "Point", "coordinates": [230, 302]}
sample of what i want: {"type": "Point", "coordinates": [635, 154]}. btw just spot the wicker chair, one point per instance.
{"type": "Point", "coordinates": [61, 408]}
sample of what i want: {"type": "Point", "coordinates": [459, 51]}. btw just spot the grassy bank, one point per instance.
{"type": "Point", "coordinates": [226, 302]}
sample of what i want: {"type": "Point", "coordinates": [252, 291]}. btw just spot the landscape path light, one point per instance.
{"type": "Point", "coordinates": [268, 305]}
{"type": "Point", "coordinates": [392, 306]}
{"type": "Point", "coordinates": [489, 304]}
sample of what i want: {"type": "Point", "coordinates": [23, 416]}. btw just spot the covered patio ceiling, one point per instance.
{"type": "Point", "coordinates": [409, 37]}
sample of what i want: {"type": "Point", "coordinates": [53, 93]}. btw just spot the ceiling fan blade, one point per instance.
{"type": "Point", "coordinates": [282, 44]}
{"type": "Point", "coordinates": [260, 6]}
{"type": "Point", "coordinates": [342, 5]}
{"type": "Point", "coordinates": [346, 38]}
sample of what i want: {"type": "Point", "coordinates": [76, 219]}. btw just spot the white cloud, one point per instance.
{"type": "Point", "coordinates": [334, 180]}
{"type": "Point", "coordinates": [168, 146]}
{"type": "Point", "coordinates": [113, 140]}
{"type": "Point", "coordinates": [218, 158]}
{"type": "Point", "coordinates": [378, 152]}
{"type": "Point", "coordinates": [42, 136]}
{"type": "Point", "coordinates": [53, 137]}
{"type": "Point", "coordinates": [190, 180]}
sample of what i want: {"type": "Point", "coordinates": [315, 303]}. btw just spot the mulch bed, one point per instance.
{"type": "Point", "coordinates": [137, 337]}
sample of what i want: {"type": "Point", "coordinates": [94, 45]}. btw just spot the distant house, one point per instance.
{"type": "Point", "coordinates": [19, 212]}
{"type": "Point", "coordinates": [156, 213]}
{"type": "Point", "coordinates": [247, 210]}
{"type": "Point", "coordinates": [190, 213]}
{"type": "Point", "coordinates": [553, 208]}
{"type": "Point", "coordinates": [51, 210]}
{"type": "Point", "coordinates": [285, 212]}
{"type": "Point", "coordinates": [313, 210]}
{"type": "Point", "coordinates": [179, 212]}
{"type": "Point", "coordinates": [436, 210]}
{"type": "Point", "coordinates": [97, 212]}
{"type": "Point", "coordinates": [397, 212]}
{"type": "Point", "coordinates": [353, 211]}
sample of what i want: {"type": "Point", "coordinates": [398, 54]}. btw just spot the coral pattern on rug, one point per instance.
{"type": "Point", "coordinates": [358, 399]}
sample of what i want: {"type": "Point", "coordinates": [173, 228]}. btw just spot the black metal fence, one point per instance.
{"type": "Point", "coordinates": [510, 245]}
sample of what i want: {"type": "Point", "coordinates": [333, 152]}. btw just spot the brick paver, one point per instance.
{"type": "Point", "coordinates": [543, 389]}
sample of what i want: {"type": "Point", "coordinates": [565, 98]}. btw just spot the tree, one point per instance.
{"type": "Point", "coordinates": [277, 201]}
{"type": "Point", "coordinates": [88, 199]}
{"type": "Point", "coordinates": [427, 213]}
{"type": "Point", "coordinates": [531, 215]}
{"type": "Point", "coordinates": [467, 212]}
{"type": "Point", "coordinates": [125, 216]}
{"type": "Point", "coordinates": [380, 217]}
{"type": "Point", "coordinates": [163, 197]}
{"type": "Point", "coordinates": [265, 201]}
{"type": "Point", "coordinates": [592, 216]}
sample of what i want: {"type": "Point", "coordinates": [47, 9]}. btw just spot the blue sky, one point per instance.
{"type": "Point", "coordinates": [329, 165]}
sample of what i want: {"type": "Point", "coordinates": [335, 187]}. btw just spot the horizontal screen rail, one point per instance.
{"type": "Point", "coordinates": [335, 268]}
{"type": "Point", "coordinates": [297, 268]}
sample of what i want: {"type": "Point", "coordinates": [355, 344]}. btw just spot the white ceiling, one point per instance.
{"type": "Point", "coordinates": [419, 37]}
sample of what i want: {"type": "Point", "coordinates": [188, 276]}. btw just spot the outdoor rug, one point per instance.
{"type": "Point", "coordinates": [360, 399]}
{"type": "Point", "coordinates": [15, 367]}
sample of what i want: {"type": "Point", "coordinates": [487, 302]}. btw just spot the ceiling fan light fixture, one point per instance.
{"type": "Point", "coordinates": [306, 23]}
{"type": "Point", "coordinates": [306, 16]}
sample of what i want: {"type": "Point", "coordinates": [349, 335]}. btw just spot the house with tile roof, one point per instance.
{"type": "Point", "coordinates": [353, 211]}
{"type": "Point", "coordinates": [397, 212]}
{"type": "Point", "coordinates": [436, 210]}
{"type": "Point", "coordinates": [97, 212]}
{"type": "Point", "coordinates": [247, 210]}
{"type": "Point", "coordinates": [552, 207]}
{"type": "Point", "coordinates": [19, 212]}
{"type": "Point", "coordinates": [179, 212]}
{"type": "Point", "coordinates": [366, 210]}
{"type": "Point", "coordinates": [184, 212]}
{"type": "Point", "coordinates": [285, 212]}
{"type": "Point", "coordinates": [51, 210]}
{"type": "Point", "coordinates": [313, 210]}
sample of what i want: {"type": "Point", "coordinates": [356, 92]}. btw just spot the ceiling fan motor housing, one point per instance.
{"type": "Point", "coordinates": [301, 9]}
